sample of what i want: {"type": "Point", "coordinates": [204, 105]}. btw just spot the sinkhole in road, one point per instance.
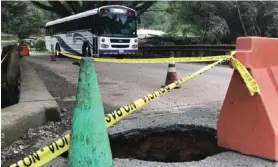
{"type": "Point", "coordinates": [170, 144]}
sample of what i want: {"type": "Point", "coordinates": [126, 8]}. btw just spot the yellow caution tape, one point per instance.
{"type": "Point", "coordinates": [121, 113]}
{"type": "Point", "coordinates": [71, 56]}
{"type": "Point", "coordinates": [248, 79]}
{"type": "Point", "coordinates": [163, 60]}
{"type": "Point", "coordinates": [250, 82]}
{"type": "Point", "coordinates": [50, 152]}
{"type": "Point", "coordinates": [154, 60]}
{"type": "Point", "coordinates": [232, 53]}
{"type": "Point", "coordinates": [45, 154]}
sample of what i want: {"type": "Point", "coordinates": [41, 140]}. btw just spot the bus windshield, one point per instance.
{"type": "Point", "coordinates": [118, 24]}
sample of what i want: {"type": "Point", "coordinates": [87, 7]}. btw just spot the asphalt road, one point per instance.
{"type": "Point", "coordinates": [123, 83]}
{"type": "Point", "coordinates": [197, 102]}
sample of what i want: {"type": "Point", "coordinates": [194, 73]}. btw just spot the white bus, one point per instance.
{"type": "Point", "coordinates": [108, 30]}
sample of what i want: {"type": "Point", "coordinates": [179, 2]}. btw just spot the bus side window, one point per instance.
{"type": "Point", "coordinates": [63, 28]}
{"type": "Point", "coordinates": [88, 22]}
{"type": "Point", "coordinates": [66, 26]}
{"type": "Point", "coordinates": [69, 26]}
{"type": "Point", "coordinates": [51, 30]}
{"type": "Point", "coordinates": [57, 28]}
{"type": "Point", "coordinates": [46, 31]}
{"type": "Point", "coordinates": [72, 25]}
{"type": "Point", "coordinates": [99, 25]}
{"type": "Point", "coordinates": [82, 23]}
{"type": "Point", "coordinates": [54, 29]}
{"type": "Point", "coordinates": [75, 25]}
{"type": "Point", "coordinates": [94, 26]}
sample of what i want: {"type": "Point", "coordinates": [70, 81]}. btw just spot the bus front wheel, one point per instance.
{"type": "Point", "coordinates": [86, 51]}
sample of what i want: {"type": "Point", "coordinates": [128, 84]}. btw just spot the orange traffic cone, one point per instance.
{"type": "Point", "coordinates": [52, 58]}
{"type": "Point", "coordinates": [171, 75]}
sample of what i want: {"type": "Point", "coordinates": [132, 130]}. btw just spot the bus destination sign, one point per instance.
{"type": "Point", "coordinates": [117, 10]}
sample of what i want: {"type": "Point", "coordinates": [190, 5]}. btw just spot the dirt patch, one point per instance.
{"type": "Point", "coordinates": [172, 144]}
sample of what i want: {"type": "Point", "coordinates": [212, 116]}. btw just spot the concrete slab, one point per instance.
{"type": "Point", "coordinates": [36, 106]}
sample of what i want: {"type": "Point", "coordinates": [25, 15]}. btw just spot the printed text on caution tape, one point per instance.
{"type": "Point", "coordinates": [154, 60]}
{"type": "Point", "coordinates": [250, 82]}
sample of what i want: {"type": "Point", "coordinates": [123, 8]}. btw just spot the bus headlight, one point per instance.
{"type": "Point", "coordinates": [103, 39]}
{"type": "Point", "coordinates": [104, 46]}
{"type": "Point", "coordinates": [134, 46]}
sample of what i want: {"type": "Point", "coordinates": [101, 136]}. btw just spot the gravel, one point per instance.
{"type": "Point", "coordinates": [39, 137]}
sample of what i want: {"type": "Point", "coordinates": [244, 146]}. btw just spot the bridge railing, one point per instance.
{"type": "Point", "coordinates": [184, 50]}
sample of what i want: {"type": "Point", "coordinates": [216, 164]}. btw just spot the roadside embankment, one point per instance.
{"type": "Point", "coordinates": [35, 105]}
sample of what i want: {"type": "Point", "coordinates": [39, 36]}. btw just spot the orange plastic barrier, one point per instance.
{"type": "Point", "coordinates": [249, 124]}
{"type": "Point", "coordinates": [24, 50]}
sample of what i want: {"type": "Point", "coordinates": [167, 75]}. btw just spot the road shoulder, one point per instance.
{"type": "Point", "coordinates": [36, 106]}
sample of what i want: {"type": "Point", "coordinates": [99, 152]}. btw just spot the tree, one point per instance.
{"type": "Point", "coordinates": [156, 17]}
{"type": "Point", "coordinates": [67, 8]}
{"type": "Point", "coordinates": [223, 22]}
{"type": "Point", "coordinates": [20, 18]}
{"type": "Point", "coordinates": [202, 19]}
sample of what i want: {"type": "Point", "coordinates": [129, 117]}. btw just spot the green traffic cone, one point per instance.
{"type": "Point", "coordinates": [89, 145]}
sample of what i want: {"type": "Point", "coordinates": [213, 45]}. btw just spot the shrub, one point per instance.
{"type": "Point", "coordinates": [40, 45]}
{"type": "Point", "coordinates": [23, 42]}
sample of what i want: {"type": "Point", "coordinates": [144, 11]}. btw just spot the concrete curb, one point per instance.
{"type": "Point", "coordinates": [36, 106]}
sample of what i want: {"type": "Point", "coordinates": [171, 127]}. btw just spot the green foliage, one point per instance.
{"type": "Point", "coordinates": [23, 42]}
{"type": "Point", "coordinates": [67, 8]}
{"type": "Point", "coordinates": [204, 21]}
{"type": "Point", "coordinates": [223, 22]}
{"type": "Point", "coordinates": [213, 21]}
{"type": "Point", "coordinates": [20, 18]}
{"type": "Point", "coordinates": [40, 45]}
{"type": "Point", "coordinates": [156, 17]}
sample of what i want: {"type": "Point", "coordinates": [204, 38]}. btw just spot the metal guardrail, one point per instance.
{"type": "Point", "coordinates": [186, 47]}
{"type": "Point", "coordinates": [184, 50]}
